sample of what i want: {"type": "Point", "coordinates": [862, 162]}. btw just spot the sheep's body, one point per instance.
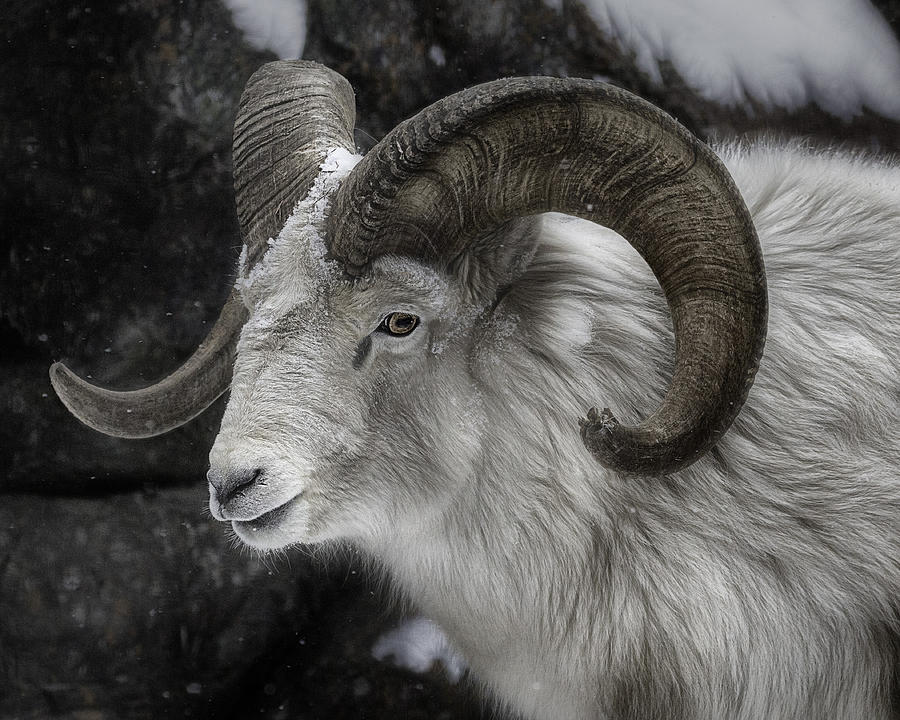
{"type": "Point", "coordinates": [761, 582]}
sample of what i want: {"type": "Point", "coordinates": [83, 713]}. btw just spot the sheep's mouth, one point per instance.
{"type": "Point", "coordinates": [268, 520]}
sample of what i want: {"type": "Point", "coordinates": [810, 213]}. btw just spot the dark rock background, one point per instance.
{"type": "Point", "coordinates": [119, 596]}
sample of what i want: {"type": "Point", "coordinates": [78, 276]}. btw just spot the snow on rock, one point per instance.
{"type": "Point", "coordinates": [840, 54]}
{"type": "Point", "coordinates": [437, 56]}
{"type": "Point", "coordinates": [416, 645]}
{"type": "Point", "coordinates": [275, 25]}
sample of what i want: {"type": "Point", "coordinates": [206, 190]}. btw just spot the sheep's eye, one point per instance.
{"type": "Point", "coordinates": [399, 323]}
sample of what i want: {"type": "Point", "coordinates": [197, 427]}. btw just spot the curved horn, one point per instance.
{"type": "Point", "coordinates": [169, 403]}
{"type": "Point", "coordinates": [521, 146]}
{"type": "Point", "coordinates": [290, 115]}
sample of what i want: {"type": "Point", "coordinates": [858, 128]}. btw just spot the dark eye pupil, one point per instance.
{"type": "Point", "coordinates": [399, 323]}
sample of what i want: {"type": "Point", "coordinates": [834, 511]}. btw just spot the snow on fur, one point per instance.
{"type": "Point", "coordinates": [296, 258]}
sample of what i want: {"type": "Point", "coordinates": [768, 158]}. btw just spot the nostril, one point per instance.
{"type": "Point", "coordinates": [254, 476]}
{"type": "Point", "coordinates": [231, 483]}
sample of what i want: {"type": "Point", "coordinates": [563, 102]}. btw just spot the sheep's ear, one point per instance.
{"type": "Point", "coordinates": [497, 259]}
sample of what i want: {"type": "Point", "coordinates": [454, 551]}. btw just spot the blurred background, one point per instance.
{"type": "Point", "coordinates": [120, 597]}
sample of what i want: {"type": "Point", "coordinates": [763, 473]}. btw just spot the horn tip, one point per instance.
{"type": "Point", "coordinates": [599, 434]}
{"type": "Point", "coordinates": [75, 392]}
{"type": "Point", "coordinates": [66, 384]}
{"type": "Point", "coordinates": [60, 378]}
{"type": "Point", "coordinates": [619, 447]}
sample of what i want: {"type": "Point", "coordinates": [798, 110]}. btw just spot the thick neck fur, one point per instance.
{"type": "Point", "coordinates": [768, 572]}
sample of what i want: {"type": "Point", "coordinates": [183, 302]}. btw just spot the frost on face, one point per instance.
{"type": "Point", "coordinates": [294, 268]}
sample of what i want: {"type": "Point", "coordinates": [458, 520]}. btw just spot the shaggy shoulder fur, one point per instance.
{"type": "Point", "coordinates": [763, 581]}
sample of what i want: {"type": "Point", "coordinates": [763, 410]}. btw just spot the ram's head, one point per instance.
{"type": "Point", "coordinates": [363, 284]}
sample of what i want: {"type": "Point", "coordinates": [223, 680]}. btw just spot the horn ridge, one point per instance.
{"type": "Point", "coordinates": [291, 113]}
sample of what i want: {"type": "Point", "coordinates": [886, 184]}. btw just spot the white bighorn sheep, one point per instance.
{"type": "Point", "coordinates": [416, 344]}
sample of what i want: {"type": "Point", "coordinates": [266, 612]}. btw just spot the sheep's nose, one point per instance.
{"type": "Point", "coordinates": [228, 484]}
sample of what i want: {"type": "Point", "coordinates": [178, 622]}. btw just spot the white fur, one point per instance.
{"type": "Point", "coordinates": [761, 582]}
